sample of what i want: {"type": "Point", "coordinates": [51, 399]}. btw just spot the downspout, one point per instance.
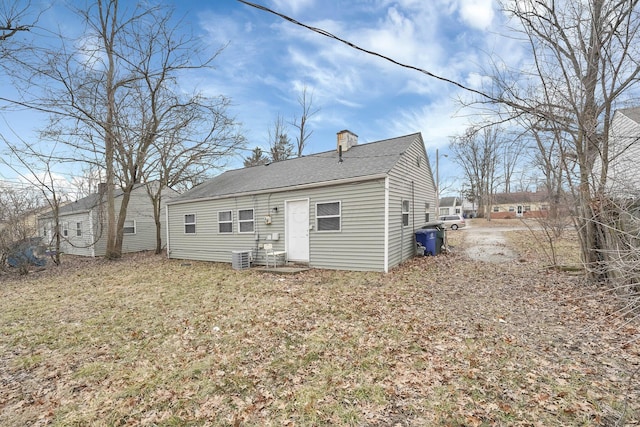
{"type": "Point", "coordinates": [91, 236]}
{"type": "Point", "coordinates": [401, 234]}
{"type": "Point", "coordinates": [413, 206]}
{"type": "Point", "coordinates": [386, 224]}
{"type": "Point", "coordinates": [166, 222]}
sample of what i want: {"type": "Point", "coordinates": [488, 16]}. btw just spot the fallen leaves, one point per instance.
{"type": "Point", "coordinates": [438, 341]}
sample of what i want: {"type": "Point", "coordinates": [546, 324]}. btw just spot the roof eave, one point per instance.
{"type": "Point", "coordinates": [281, 189]}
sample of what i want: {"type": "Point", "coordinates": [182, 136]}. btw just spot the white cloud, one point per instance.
{"type": "Point", "coordinates": [437, 121]}
{"type": "Point", "coordinates": [477, 13]}
{"type": "Point", "coordinates": [293, 6]}
{"type": "Point", "coordinates": [478, 81]}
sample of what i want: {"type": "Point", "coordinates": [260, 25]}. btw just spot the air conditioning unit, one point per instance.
{"type": "Point", "coordinates": [240, 260]}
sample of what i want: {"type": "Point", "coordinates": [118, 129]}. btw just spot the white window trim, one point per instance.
{"type": "Point", "coordinates": [225, 222]}
{"type": "Point", "coordinates": [65, 229]}
{"type": "Point", "coordinates": [252, 221]}
{"type": "Point", "coordinates": [195, 221]}
{"type": "Point", "coordinates": [339, 216]}
{"type": "Point", "coordinates": [135, 227]}
{"type": "Point", "coordinates": [407, 213]}
{"type": "Point", "coordinates": [79, 229]}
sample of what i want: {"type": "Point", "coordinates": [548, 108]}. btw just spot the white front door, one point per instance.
{"type": "Point", "coordinates": [297, 230]}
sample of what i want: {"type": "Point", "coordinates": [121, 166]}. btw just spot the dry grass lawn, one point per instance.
{"type": "Point", "coordinates": [440, 341]}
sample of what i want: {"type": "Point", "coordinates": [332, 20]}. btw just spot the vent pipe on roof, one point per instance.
{"type": "Point", "coordinates": [346, 140]}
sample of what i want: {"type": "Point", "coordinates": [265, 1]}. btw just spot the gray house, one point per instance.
{"type": "Point", "coordinates": [624, 154]}
{"type": "Point", "coordinates": [83, 223]}
{"type": "Point", "coordinates": [355, 208]}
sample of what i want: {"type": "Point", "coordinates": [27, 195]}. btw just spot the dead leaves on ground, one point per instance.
{"type": "Point", "coordinates": [438, 341]}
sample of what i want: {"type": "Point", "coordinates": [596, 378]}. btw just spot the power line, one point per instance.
{"type": "Point", "coordinates": [370, 52]}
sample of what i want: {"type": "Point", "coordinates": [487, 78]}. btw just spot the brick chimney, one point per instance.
{"type": "Point", "coordinates": [346, 140]}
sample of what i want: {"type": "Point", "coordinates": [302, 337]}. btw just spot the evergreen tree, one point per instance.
{"type": "Point", "coordinates": [282, 149]}
{"type": "Point", "coordinates": [256, 158]}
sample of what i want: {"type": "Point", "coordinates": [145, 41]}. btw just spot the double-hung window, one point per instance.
{"type": "Point", "coordinates": [190, 224]}
{"type": "Point", "coordinates": [79, 229]}
{"type": "Point", "coordinates": [65, 229]}
{"type": "Point", "coordinates": [328, 216]}
{"type": "Point", "coordinates": [245, 221]}
{"type": "Point", "coordinates": [225, 222]}
{"type": "Point", "coordinates": [406, 206]}
{"type": "Point", "coordinates": [129, 226]}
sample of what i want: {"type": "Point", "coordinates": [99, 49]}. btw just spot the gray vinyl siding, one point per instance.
{"type": "Point", "coordinates": [72, 244]}
{"type": "Point", "coordinates": [412, 180]}
{"type": "Point", "coordinates": [624, 154]}
{"type": "Point", "coordinates": [140, 210]}
{"type": "Point", "coordinates": [208, 244]}
{"type": "Point", "coordinates": [358, 246]}
{"type": "Point", "coordinates": [360, 243]}
{"type": "Point", "coordinates": [93, 240]}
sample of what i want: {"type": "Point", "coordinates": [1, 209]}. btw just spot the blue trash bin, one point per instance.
{"type": "Point", "coordinates": [427, 238]}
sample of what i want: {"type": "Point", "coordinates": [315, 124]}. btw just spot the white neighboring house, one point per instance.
{"type": "Point", "coordinates": [83, 223]}
{"type": "Point", "coordinates": [450, 206]}
{"type": "Point", "coordinates": [623, 179]}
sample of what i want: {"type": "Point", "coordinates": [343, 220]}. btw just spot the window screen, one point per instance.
{"type": "Point", "coordinates": [225, 222]}
{"type": "Point", "coordinates": [405, 212]}
{"type": "Point", "coordinates": [129, 227]}
{"type": "Point", "coordinates": [245, 220]}
{"type": "Point", "coordinates": [328, 216]}
{"type": "Point", "coordinates": [190, 224]}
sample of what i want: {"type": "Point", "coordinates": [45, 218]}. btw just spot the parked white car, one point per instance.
{"type": "Point", "coordinates": [452, 221]}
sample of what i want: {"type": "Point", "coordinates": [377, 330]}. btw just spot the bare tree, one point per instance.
{"type": "Point", "coordinates": [13, 15]}
{"type": "Point", "coordinates": [114, 93]}
{"type": "Point", "coordinates": [585, 60]}
{"type": "Point", "coordinates": [202, 138]}
{"type": "Point", "coordinates": [89, 181]}
{"type": "Point", "coordinates": [35, 168]}
{"type": "Point", "coordinates": [477, 151]}
{"type": "Point", "coordinates": [18, 209]}
{"type": "Point", "coordinates": [512, 152]}
{"type": "Point", "coordinates": [305, 100]}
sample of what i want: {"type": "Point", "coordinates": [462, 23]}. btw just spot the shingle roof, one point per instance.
{"type": "Point", "coordinates": [85, 204]}
{"type": "Point", "coordinates": [520, 197]}
{"type": "Point", "coordinates": [633, 113]}
{"type": "Point", "coordinates": [360, 161]}
{"type": "Point", "coordinates": [81, 205]}
{"type": "Point", "coordinates": [449, 201]}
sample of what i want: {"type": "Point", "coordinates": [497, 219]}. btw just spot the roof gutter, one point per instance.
{"type": "Point", "coordinates": [281, 189]}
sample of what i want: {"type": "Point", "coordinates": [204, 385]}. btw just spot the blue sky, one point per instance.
{"type": "Point", "coordinates": [268, 60]}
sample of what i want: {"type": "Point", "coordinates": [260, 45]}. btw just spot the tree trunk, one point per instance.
{"type": "Point", "coordinates": [122, 216]}
{"type": "Point", "coordinates": [156, 201]}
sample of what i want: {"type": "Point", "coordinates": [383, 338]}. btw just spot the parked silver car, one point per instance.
{"type": "Point", "coordinates": [452, 221]}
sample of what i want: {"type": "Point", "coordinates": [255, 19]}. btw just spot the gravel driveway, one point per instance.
{"type": "Point", "coordinates": [488, 244]}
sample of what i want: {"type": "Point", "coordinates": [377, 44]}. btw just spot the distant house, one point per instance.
{"type": "Point", "coordinates": [623, 179]}
{"type": "Point", "coordinates": [450, 206]}
{"type": "Point", "coordinates": [354, 208]}
{"type": "Point", "coordinates": [83, 223]}
{"type": "Point", "coordinates": [521, 204]}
